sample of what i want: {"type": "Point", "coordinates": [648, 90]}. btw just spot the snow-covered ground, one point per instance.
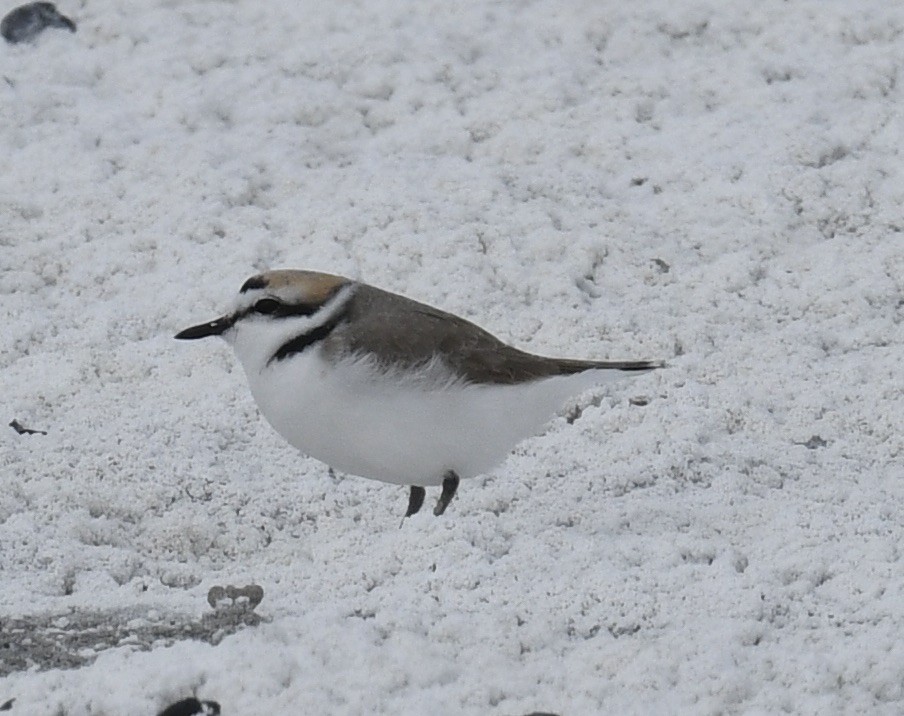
{"type": "Point", "coordinates": [717, 184]}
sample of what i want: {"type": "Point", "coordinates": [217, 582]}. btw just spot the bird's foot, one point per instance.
{"type": "Point", "coordinates": [450, 487]}
{"type": "Point", "coordinates": [415, 500]}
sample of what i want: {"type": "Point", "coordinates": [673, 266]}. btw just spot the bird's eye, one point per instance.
{"type": "Point", "coordinates": [266, 305]}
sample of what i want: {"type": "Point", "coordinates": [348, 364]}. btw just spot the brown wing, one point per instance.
{"type": "Point", "coordinates": [410, 333]}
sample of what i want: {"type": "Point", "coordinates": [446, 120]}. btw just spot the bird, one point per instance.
{"type": "Point", "coordinates": [381, 386]}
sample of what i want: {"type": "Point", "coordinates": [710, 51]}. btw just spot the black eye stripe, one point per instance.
{"type": "Point", "coordinates": [266, 305]}
{"type": "Point", "coordinates": [272, 307]}
{"type": "Point", "coordinates": [299, 309]}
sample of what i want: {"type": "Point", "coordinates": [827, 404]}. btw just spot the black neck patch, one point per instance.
{"type": "Point", "coordinates": [303, 341]}
{"type": "Point", "coordinates": [286, 310]}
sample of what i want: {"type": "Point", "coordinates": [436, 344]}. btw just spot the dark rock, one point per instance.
{"type": "Point", "coordinates": [661, 265]}
{"type": "Point", "coordinates": [19, 428]}
{"type": "Point", "coordinates": [815, 441]}
{"type": "Point", "coordinates": [190, 707]}
{"type": "Point", "coordinates": [26, 22]}
{"type": "Point", "coordinates": [240, 597]}
{"type": "Point", "coordinates": [74, 638]}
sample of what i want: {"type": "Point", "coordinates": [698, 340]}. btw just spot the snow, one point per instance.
{"type": "Point", "coordinates": [714, 184]}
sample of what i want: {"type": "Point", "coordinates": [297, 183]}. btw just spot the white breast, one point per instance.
{"type": "Point", "coordinates": [404, 431]}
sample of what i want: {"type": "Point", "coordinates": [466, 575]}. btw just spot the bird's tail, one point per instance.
{"type": "Point", "coordinates": [568, 366]}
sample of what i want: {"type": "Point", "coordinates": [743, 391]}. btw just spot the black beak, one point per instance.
{"type": "Point", "coordinates": [214, 328]}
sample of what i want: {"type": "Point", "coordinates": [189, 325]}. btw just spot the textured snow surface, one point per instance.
{"type": "Point", "coordinates": [716, 184]}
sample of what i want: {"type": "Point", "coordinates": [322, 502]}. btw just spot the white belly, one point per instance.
{"type": "Point", "coordinates": [410, 433]}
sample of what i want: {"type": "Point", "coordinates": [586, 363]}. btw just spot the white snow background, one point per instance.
{"type": "Point", "coordinates": [717, 184]}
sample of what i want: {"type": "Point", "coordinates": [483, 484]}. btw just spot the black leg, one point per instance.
{"type": "Point", "coordinates": [450, 487]}
{"type": "Point", "coordinates": [415, 500]}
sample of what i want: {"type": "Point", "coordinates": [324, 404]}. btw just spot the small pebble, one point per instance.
{"type": "Point", "coordinates": [190, 707]}
{"type": "Point", "coordinates": [26, 22]}
{"type": "Point", "coordinates": [815, 441]}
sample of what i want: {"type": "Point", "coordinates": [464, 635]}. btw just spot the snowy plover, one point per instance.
{"type": "Point", "coordinates": [377, 385]}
